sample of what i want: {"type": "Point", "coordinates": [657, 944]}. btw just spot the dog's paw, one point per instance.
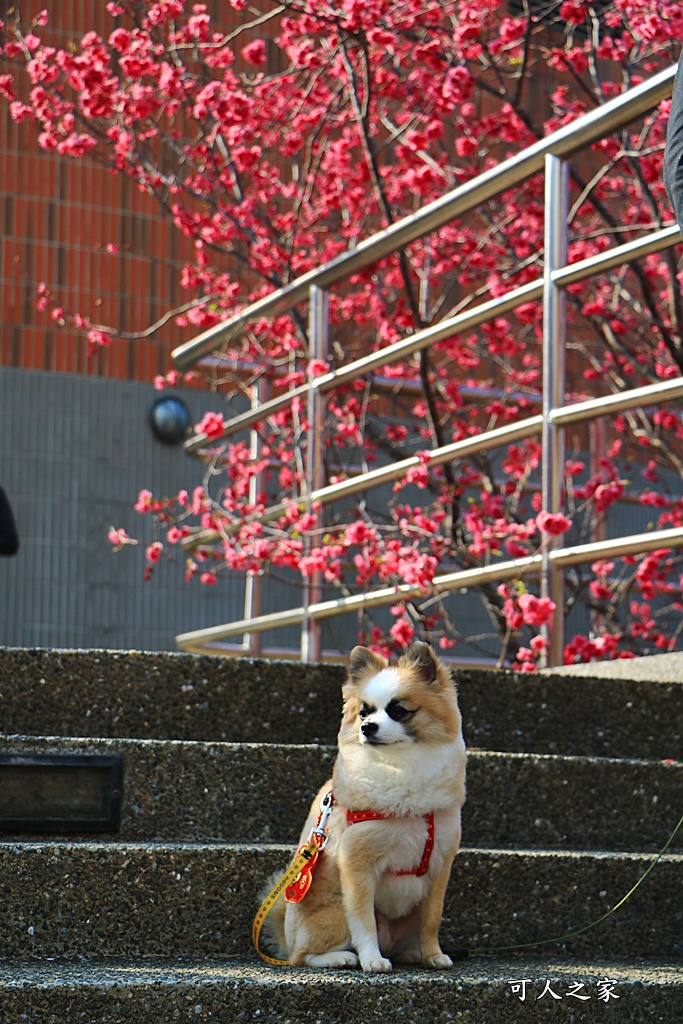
{"type": "Point", "coordinates": [438, 962]}
{"type": "Point", "coordinates": [376, 965]}
{"type": "Point", "coordinates": [335, 958]}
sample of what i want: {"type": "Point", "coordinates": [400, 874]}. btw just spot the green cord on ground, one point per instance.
{"type": "Point", "coordinates": [586, 928]}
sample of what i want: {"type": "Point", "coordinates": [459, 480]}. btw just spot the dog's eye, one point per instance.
{"type": "Point", "coordinates": [398, 711]}
{"type": "Point", "coordinates": [364, 711]}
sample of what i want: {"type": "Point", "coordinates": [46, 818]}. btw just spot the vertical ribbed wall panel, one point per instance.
{"type": "Point", "coordinates": [74, 453]}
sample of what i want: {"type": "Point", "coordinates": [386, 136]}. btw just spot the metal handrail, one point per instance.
{"type": "Point", "coordinates": [203, 640]}
{"type": "Point", "coordinates": [461, 322]}
{"type": "Point", "coordinates": [557, 275]}
{"type": "Point", "coordinates": [653, 394]}
{"type": "Point", "coordinates": [566, 140]}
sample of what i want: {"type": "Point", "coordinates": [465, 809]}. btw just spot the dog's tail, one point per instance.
{"type": "Point", "coordinates": [273, 934]}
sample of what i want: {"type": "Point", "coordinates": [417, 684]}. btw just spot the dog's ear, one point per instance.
{"type": "Point", "coordinates": [363, 661]}
{"type": "Point", "coordinates": [421, 657]}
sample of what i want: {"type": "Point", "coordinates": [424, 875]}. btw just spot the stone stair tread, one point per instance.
{"type": "Point", "coordinates": [243, 988]}
{"type": "Point", "coordinates": [113, 846]}
{"type": "Point", "coordinates": [183, 696]}
{"type": "Point", "coordinates": [660, 668]}
{"type": "Point", "coordinates": [88, 741]}
{"type": "Point", "coordinates": [144, 898]}
{"type": "Point", "coordinates": [223, 790]}
{"type": "Point", "coordinates": [472, 969]}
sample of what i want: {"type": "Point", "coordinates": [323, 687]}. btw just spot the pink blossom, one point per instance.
{"type": "Point", "coordinates": [536, 611]}
{"type": "Point", "coordinates": [538, 644]}
{"type": "Point", "coordinates": [514, 549]}
{"type": "Point", "coordinates": [574, 467]}
{"type": "Point", "coordinates": [358, 532]}
{"type": "Point", "coordinates": [98, 339]}
{"type": "Point", "coordinates": [175, 534]}
{"type": "Point", "coordinates": [313, 563]}
{"type": "Point", "coordinates": [317, 367]}
{"type": "Point", "coordinates": [512, 614]}
{"type": "Point", "coordinates": [6, 88]}
{"type": "Point", "coordinates": [418, 475]}
{"type": "Point", "coordinates": [212, 425]}
{"type": "Point", "coordinates": [606, 494]}
{"type": "Point", "coordinates": [119, 538]}
{"type": "Point", "coordinates": [153, 552]}
{"type": "Point", "coordinates": [553, 524]}
{"type": "Point", "coordinates": [144, 502]}
{"type": "Point", "coordinates": [255, 52]}
{"type": "Point", "coordinates": [402, 632]}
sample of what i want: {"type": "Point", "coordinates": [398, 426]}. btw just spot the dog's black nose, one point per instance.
{"type": "Point", "coordinates": [369, 728]}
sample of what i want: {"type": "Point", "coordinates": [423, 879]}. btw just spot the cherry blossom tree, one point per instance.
{"type": "Point", "coordinates": [277, 135]}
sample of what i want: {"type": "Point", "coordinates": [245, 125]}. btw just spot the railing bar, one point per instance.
{"type": "Point", "coordinates": [661, 391]}
{"type": "Point", "coordinates": [451, 581]}
{"type": "Point", "coordinates": [554, 390]}
{"type": "Point", "coordinates": [440, 331]}
{"type": "Point", "coordinates": [633, 544]}
{"type": "Point", "coordinates": [392, 354]}
{"type": "Point", "coordinates": [567, 140]}
{"type": "Point", "coordinates": [461, 322]}
{"type": "Point", "coordinates": [274, 620]}
{"type": "Point", "coordinates": [626, 253]}
{"type": "Point", "coordinates": [386, 474]}
{"type": "Point", "coordinates": [318, 320]}
{"type": "Point", "coordinates": [448, 453]}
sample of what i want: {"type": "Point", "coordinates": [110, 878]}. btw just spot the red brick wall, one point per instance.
{"type": "Point", "coordinates": [56, 218]}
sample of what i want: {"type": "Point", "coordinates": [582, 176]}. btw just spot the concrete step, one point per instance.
{"type": "Point", "coordinates": [241, 792]}
{"type": "Point", "coordinates": [198, 900]}
{"type": "Point", "coordinates": [183, 696]}
{"type": "Point", "coordinates": [242, 989]}
{"type": "Point", "coordinates": [660, 668]}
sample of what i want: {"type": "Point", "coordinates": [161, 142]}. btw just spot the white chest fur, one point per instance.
{"type": "Point", "coordinates": [401, 778]}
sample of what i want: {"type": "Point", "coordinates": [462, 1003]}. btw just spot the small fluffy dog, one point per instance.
{"type": "Point", "coordinates": [398, 788]}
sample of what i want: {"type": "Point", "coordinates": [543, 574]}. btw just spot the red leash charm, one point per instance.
{"type": "Point", "coordinates": [295, 892]}
{"type": "Point", "coordinates": [317, 841]}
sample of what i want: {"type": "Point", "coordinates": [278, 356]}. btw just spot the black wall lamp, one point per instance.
{"type": "Point", "coordinates": [170, 419]}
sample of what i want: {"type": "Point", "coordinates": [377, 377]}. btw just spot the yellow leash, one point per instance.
{"type": "Point", "coordinates": [291, 875]}
{"type": "Point", "coordinates": [296, 880]}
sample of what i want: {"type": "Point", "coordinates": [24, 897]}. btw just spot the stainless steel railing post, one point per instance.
{"type": "Point", "coordinates": [311, 630]}
{"type": "Point", "coordinates": [253, 583]}
{"type": "Point", "coordinates": [553, 435]}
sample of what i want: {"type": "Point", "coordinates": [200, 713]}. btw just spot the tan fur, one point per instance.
{"type": "Point", "coordinates": [357, 908]}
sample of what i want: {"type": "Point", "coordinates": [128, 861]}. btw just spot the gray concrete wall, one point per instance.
{"type": "Point", "coordinates": [74, 453]}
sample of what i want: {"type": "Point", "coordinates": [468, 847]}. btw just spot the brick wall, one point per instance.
{"type": "Point", "coordinates": [57, 216]}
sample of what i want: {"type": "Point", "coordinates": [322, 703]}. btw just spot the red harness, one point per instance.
{"type": "Point", "coordinates": [354, 817]}
{"type": "Point", "coordinates": [295, 892]}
